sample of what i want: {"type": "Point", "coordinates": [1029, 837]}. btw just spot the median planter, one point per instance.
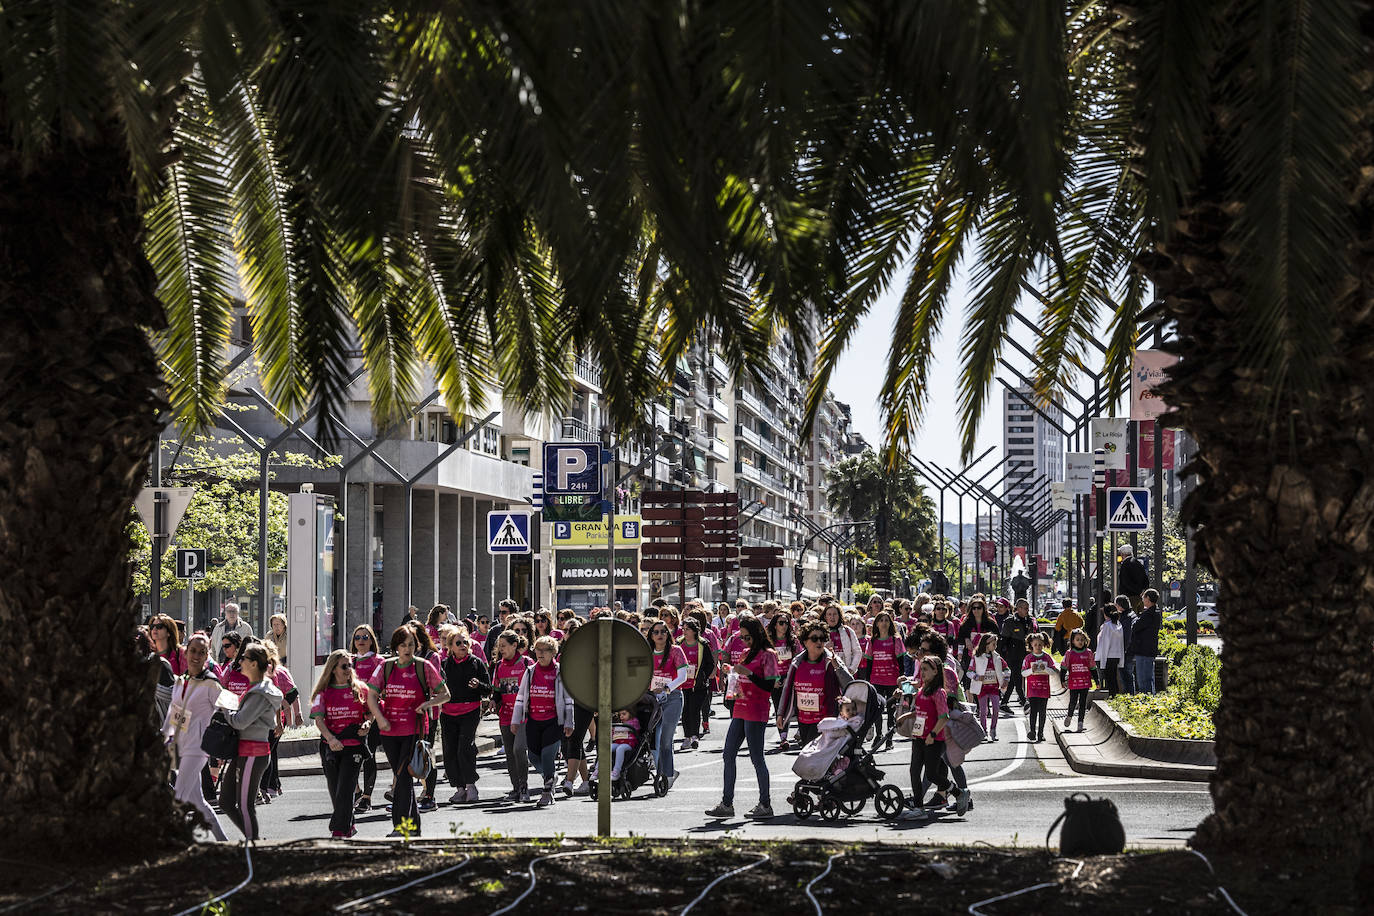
{"type": "Point", "coordinates": [1165, 750]}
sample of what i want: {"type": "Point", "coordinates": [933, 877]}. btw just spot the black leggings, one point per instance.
{"type": "Point", "coordinates": [398, 749]}
{"type": "Point", "coordinates": [374, 743]}
{"type": "Point", "coordinates": [1111, 676]}
{"type": "Point", "coordinates": [886, 693]}
{"type": "Point", "coordinates": [238, 793]}
{"type": "Point", "coordinates": [575, 745]}
{"type": "Point", "coordinates": [341, 776]}
{"type": "Point", "coordinates": [1078, 699]}
{"type": "Point", "coordinates": [272, 778]}
{"type": "Point", "coordinates": [460, 748]}
{"type": "Point", "coordinates": [927, 766]}
{"type": "Point", "coordinates": [1016, 682]}
{"type": "Point", "coordinates": [807, 732]}
{"type": "Point", "coordinates": [1035, 725]}
{"type": "Point", "coordinates": [694, 703]}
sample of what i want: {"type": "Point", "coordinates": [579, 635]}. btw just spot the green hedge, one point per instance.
{"type": "Point", "coordinates": [1184, 710]}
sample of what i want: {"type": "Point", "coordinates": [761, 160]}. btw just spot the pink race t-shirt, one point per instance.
{"type": "Point", "coordinates": [928, 709]}
{"type": "Point", "coordinates": [400, 696]}
{"type": "Point", "coordinates": [234, 681]}
{"type": "Point", "coordinates": [884, 671]}
{"type": "Point", "coordinates": [506, 687]}
{"type": "Point", "coordinates": [666, 665]}
{"type": "Point", "coordinates": [1080, 664]}
{"type": "Point", "coordinates": [736, 649]}
{"type": "Point", "coordinates": [1037, 683]}
{"type": "Point", "coordinates": [543, 683]}
{"type": "Point", "coordinates": [752, 703]}
{"type": "Point", "coordinates": [785, 653]}
{"type": "Point", "coordinates": [692, 654]}
{"type": "Point", "coordinates": [364, 665]}
{"type": "Point", "coordinates": [808, 689]}
{"type": "Point", "coordinates": [340, 708]}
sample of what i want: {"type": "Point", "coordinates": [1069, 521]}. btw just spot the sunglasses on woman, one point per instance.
{"type": "Point", "coordinates": [358, 637]}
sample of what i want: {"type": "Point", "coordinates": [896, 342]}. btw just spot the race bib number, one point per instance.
{"type": "Point", "coordinates": [808, 702]}
{"type": "Point", "coordinates": [658, 681]}
{"type": "Point", "coordinates": [918, 725]}
{"type": "Point", "coordinates": [621, 733]}
{"type": "Point", "coordinates": [178, 719]}
{"type": "Point", "coordinates": [989, 676]}
{"type": "Point", "coordinates": [1039, 668]}
{"type": "Point", "coordinates": [784, 655]}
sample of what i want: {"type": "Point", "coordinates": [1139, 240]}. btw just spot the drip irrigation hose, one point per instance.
{"type": "Point", "coordinates": [707, 889]}
{"type": "Point", "coordinates": [400, 887]}
{"type": "Point", "coordinates": [1224, 894]}
{"type": "Point", "coordinates": [809, 896]}
{"type": "Point", "coordinates": [20, 904]}
{"type": "Point", "coordinates": [200, 907]}
{"type": "Point", "coordinates": [974, 910]}
{"type": "Point", "coordinates": [533, 862]}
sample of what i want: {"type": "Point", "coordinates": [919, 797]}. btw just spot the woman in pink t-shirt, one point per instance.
{"type": "Point", "coordinates": [365, 661]}
{"type": "Point", "coordinates": [505, 689]}
{"type": "Point", "coordinates": [787, 647]}
{"type": "Point", "coordinates": [338, 706]}
{"type": "Point", "coordinates": [400, 703]}
{"type": "Point", "coordinates": [929, 715]}
{"type": "Point", "coordinates": [751, 678]}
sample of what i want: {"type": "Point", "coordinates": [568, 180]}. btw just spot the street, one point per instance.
{"type": "Point", "coordinates": [1016, 795]}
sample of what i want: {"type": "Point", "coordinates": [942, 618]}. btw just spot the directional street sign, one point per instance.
{"type": "Point", "coordinates": [1128, 508]}
{"type": "Point", "coordinates": [508, 531]}
{"type": "Point", "coordinates": [192, 562]}
{"type": "Point", "coordinates": [572, 467]}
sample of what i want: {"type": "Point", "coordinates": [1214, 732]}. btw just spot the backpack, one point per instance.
{"type": "Point", "coordinates": [1092, 827]}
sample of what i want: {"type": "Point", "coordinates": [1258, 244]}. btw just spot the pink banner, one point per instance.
{"type": "Point", "coordinates": [987, 551]}
{"type": "Point", "coordinates": [1145, 448]}
{"type": "Point", "coordinates": [1148, 371]}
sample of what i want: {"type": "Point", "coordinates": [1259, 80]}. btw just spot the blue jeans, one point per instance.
{"type": "Point", "coordinates": [1144, 674]}
{"type": "Point", "coordinates": [670, 713]}
{"type": "Point", "coordinates": [741, 729]}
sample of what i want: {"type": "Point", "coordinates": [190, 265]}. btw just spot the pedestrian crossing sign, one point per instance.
{"type": "Point", "coordinates": [508, 531]}
{"type": "Point", "coordinates": [1128, 508]}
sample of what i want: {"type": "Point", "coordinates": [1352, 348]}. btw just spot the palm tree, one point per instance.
{"type": "Point", "coordinates": [1221, 152]}
{"type": "Point", "coordinates": [476, 191]}
{"type": "Point", "coordinates": [861, 487]}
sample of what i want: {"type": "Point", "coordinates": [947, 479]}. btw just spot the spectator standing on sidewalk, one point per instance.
{"type": "Point", "coordinates": [1111, 649]}
{"type": "Point", "coordinates": [1131, 578]}
{"type": "Point", "coordinates": [1128, 621]}
{"type": "Point", "coordinates": [231, 623]}
{"type": "Point", "coordinates": [1067, 621]}
{"type": "Point", "coordinates": [1144, 644]}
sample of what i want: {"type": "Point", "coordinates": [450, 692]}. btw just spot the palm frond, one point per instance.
{"type": "Point", "coordinates": [188, 245]}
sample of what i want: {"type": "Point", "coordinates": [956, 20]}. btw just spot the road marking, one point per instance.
{"type": "Point", "coordinates": [1011, 767]}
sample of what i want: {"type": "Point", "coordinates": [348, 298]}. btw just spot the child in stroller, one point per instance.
{"type": "Point", "coordinates": [838, 775]}
{"type": "Point", "coordinates": [632, 750]}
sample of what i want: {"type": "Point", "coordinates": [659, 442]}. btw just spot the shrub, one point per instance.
{"type": "Point", "coordinates": [1196, 677]}
{"type": "Point", "coordinates": [1165, 715]}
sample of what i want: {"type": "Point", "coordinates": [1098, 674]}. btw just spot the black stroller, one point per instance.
{"type": "Point", "coordinates": [641, 768]}
{"type": "Point", "coordinates": [843, 776]}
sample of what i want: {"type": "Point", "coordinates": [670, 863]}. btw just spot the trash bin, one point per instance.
{"type": "Point", "coordinates": [1161, 673]}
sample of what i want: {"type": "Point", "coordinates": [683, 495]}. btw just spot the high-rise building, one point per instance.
{"type": "Point", "coordinates": [1030, 441]}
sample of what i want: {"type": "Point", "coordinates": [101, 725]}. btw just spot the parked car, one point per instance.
{"type": "Point", "coordinates": [1206, 613]}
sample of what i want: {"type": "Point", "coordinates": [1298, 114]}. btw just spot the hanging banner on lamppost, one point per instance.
{"type": "Point", "coordinates": [1145, 448]}
{"type": "Point", "coordinates": [1109, 434]}
{"type": "Point", "coordinates": [1148, 371]}
{"type": "Point", "coordinates": [1078, 473]}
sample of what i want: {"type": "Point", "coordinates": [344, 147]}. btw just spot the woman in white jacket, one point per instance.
{"type": "Point", "coordinates": [191, 708]}
{"type": "Point", "coordinates": [848, 650]}
{"type": "Point", "coordinates": [545, 711]}
{"type": "Point", "coordinates": [1111, 649]}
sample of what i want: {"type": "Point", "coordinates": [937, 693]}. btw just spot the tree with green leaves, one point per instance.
{"type": "Point", "coordinates": [861, 487]}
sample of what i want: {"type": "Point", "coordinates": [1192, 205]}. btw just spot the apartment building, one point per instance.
{"type": "Point", "coordinates": [1033, 452]}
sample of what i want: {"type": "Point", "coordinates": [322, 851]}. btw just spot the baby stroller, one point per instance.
{"type": "Point", "coordinates": [641, 767]}
{"type": "Point", "coordinates": [834, 791]}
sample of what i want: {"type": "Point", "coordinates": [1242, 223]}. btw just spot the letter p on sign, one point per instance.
{"type": "Point", "coordinates": [571, 463]}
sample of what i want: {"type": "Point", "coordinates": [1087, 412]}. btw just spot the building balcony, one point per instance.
{"type": "Point", "coordinates": [746, 471]}
{"type": "Point", "coordinates": [719, 450]}
{"type": "Point", "coordinates": [719, 367]}
{"type": "Point", "coordinates": [575, 430]}
{"type": "Point", "coordinates": [585, 371]}
{"type": "Point", "coordinates": [717, 408]}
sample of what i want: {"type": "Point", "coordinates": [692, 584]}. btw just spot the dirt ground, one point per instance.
{"type": "Point", "coordinates": [645, 877]}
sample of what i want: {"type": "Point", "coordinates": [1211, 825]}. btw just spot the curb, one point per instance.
{"type": "Point", "coordinates": [309, 748]}
{"type": "Point", "coordinates": [1111, 748]}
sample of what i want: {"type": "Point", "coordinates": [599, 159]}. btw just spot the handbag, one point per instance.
{"type": "Point", "coordinates": [220, 740]}
{"type": "Point", "coordinates": [963, 729]}
{"type": "Point", "coordinates": [1092, 827]}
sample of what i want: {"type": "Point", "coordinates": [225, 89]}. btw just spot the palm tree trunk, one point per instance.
{"type": "Point", "coordinates": [1285, 509]}
{"type": "Point", "coordinates": [81, 765]}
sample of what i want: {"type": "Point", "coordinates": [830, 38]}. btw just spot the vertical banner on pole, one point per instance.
{"type": "Point", "coordinates": [1109, 437]}
{"type": "Point", "coordinates": [1148, 370]}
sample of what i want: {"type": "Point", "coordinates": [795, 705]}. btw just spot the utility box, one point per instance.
{"type": "Point", "coordinates": [309, 584]}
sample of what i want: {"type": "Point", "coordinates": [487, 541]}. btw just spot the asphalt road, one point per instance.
{"type": "Point", "coordinates": [1018, 790]}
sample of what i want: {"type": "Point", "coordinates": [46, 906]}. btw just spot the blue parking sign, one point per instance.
{"type": "Point", "coordinates": [572, 468]}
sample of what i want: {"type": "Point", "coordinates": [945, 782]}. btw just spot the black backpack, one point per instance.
{"type": "Point", "coordinates": [1092, 827]}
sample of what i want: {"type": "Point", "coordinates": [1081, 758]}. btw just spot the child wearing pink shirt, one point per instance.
{"type": "Point", "coordinates": [1079, 669]}
{"type": "Point", "coordinates": [1036, 670]}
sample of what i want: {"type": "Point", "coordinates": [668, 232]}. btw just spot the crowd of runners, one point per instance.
{"type": "Point", "coordinates": [936, 672]}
